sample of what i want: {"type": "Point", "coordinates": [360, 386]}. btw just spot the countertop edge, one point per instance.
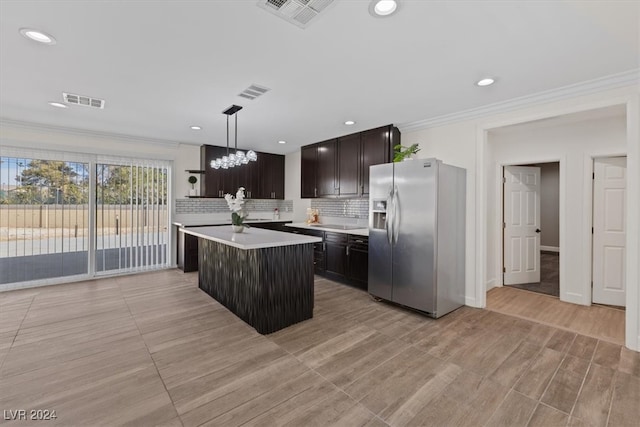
{"type": "Point", "coordinates": [364, 231]}
{"type": "Point", "coordinates": [296, 240]}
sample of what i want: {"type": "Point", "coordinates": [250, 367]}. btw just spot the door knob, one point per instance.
{"type": "Point", "coordinates": [537, 230]}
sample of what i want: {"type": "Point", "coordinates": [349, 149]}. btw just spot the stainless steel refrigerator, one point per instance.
{"type": "Point", "coordinates": [417, 235]}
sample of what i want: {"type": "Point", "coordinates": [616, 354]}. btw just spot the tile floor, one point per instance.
{"type": "Point", "coordinates": [152, 349]}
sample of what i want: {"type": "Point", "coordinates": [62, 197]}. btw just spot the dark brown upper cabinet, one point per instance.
{"type": "Point", "coordinates": [340, 167]}
{"type": "Point", "coordinates": [271, 176]}
{"type": "Point", "coordinates": [377, 148]}
{"type": "Point", "coordinates": [263, 179]}
{"type": "Point", "coordinates": [212, 184]}
{"type": "Point", "coordinates": [349, 165]}
{"type": "Point", "coordinates": [326, 176]}
{"type": "Point", "coordinates": [308, 169]}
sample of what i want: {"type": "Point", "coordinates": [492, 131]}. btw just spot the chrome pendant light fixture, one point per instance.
{"type": "Point", "coordinates": [236, 158]}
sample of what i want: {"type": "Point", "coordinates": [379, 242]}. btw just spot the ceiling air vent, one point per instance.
{"type": "Point", "coordinates": [87, 101]}
{"type": "Point", "coordinates": [254, 91]}
{"type": "Point", "coordinates": [297, 12]}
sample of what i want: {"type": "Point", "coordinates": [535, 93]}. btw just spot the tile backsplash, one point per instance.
{"type": "Point", "coordinates": [345, 208]}
{"type": "Point", "coordinates": [203, 206]}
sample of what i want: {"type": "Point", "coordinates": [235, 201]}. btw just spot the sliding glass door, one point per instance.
{"type": "Point", "coordinates": [131, 217]}
{"type": "Point", "coordinates": [82, 217]}
{"type": "Point", "coordinates": [44, 219]}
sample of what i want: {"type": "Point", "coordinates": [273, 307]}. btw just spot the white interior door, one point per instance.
{"type": "Point", "coordinates": [609, 230]}
{"type": "Point", "coordinates": [521, 225]}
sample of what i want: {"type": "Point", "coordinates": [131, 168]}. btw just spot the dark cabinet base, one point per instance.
{"type": "Point", "coordinates": [187, 252]}
{"type": "Point", "coordinates": [269, 288]}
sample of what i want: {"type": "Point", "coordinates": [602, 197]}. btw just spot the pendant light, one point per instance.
{"type": "Point", "coordinates": [238, 157]}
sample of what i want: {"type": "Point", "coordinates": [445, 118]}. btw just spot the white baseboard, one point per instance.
{"type": "Point", "coordinates": [550, 248]}
{"type": "Point", "coordinates": [491, 284]}
{"type": "Point", "coordinates": [471, 302]}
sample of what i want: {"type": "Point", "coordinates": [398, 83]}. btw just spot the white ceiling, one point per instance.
{"type": "Point", "coordinates": [162, 66]}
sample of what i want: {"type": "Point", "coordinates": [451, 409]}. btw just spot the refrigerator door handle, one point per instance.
{"type": "Point", "coordinates": [388, 223]}
{"type": "Point", "coordinates": [396, 215]}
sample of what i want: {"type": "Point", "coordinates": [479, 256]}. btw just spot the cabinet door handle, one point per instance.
{"type": "Point", "coordinates": [324, 247]}
{"type": "Point", "coordinates": [315, 192]}
{"type": "Point", "coordinates": [347, 250]}
{"type": "Point", "coordinates": [359, 241]}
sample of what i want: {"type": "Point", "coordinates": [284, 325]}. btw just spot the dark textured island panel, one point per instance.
{"type": "Point", "coordinates": [269, 288]}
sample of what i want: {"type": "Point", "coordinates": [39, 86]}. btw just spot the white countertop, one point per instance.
{"type": "Point", "coordinates": [213, 222]}
{"type": "Point", "coordinates": [361, 231]}
{"type": "Point", "coordinates": [251, 238]}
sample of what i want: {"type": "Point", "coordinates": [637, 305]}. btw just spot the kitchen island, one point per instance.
{"type": "Point", "coordinates": [264, 277]}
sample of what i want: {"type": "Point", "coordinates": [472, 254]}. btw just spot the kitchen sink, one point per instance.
{"type": "Point", "coordinates": [339, 227]}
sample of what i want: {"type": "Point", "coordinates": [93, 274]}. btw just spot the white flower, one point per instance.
{"type": "Point", "coordinates": [235, 203]}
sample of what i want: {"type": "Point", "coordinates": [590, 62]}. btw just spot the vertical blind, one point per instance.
{"type": "Point", "coordinates": [69, 214]}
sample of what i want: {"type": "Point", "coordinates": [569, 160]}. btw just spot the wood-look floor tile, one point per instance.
{"type": "Point", "coordinates": [272, 398]}
{"type": "Point", "coordinates": [515, 410]}
{"type": "Point", "coordinates": [563, 390]}
{"type": "Point", "coordinates": [102, 352]}
{"type": "Point", "coordinates": [210, 385]}
{"type": "Point", "coordinates": [607, 354]}
{"type": "Point", "coordinates": [625, 410]}
{"type": "Point", "coordinates": [577, 422]}
{"type": "Point", "coordinates": [575, 364]}
{"type": "Point", "coordinates": [629, 362]}
{"type": "Point", "coordinates": [595, 397]}
{"type": "Point", "coordinates": [469, 400]}
{"type": "Point", "coordinates": [583, 347]}
{"type": "Point", "coordinates": [561, 340]}
{"type": "Point", "coordinates": [240, 387]}
{"type": "Point", "coordinates": [316, 355]}
{"type": "Point", "coordinates": [388, 387]}
{"type": "Point", "coordinates": [535, 380]}
{"type": "Point", "coordinates": [346, 367]}
{"type": "Point", "coordinates": [539, 334]}
{"type": "Point", "coordinates": [545, 416]}
{"type": "Point", "coordinates": [516, 363]}
{"type": "Point", "coordinates": [414, 402]}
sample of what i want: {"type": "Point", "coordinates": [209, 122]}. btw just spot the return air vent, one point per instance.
{"type": "Point", "coordinates": [86, 101]}
{"type": "Point", "coordinates": [297, 12]}
{"type": "Point", "coordinates": [253, 91]}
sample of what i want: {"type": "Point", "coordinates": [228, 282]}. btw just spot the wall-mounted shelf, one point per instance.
{"type": "Point", "coordinates": [194, 171]}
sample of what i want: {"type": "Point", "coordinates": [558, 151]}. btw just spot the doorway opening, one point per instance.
{"type": "Point", "coordinates": [531, 227]}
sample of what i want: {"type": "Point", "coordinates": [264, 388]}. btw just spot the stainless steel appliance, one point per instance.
{"type": "Point", "coordinates": [417, 235]}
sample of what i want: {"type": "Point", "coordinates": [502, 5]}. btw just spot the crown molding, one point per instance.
{"type": "Point", "coordinates": [627, 78]}
{"type": "Point", "coordinates": [84, 132]}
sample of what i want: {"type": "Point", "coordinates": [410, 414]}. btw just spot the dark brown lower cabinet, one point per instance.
{"type": "Point", "coordinates": [341, 257]}
{"type": "Point", "coordinates": [318, 248]}
{"type": "Point", "coordinates": [336, 254]}
{"type": "Point", "coordinates": [358, 261]}
{"type": "Point", "coordinates": [187, 252]}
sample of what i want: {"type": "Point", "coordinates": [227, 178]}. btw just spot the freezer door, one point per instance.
{"type": "Point", "coordinates": [380, 186]}
{"type": "Point", "coordinates": [415, 234]}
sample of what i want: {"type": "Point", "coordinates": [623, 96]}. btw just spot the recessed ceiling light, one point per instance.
{"type": "Point", "coordinates": [485, 82]}
{"type": "Point", "coordinates": [196, 128]}
{"type": "Point", "coordinates": [282, 142]}
{"type": "Point", "coordinates": [381, 8]}
{"type": "Point", "coordinates": [57, 104]}
{"type": "Point", "coordinates": [37, 36]}
{"type": "Point", "coordinates": [349, 122]}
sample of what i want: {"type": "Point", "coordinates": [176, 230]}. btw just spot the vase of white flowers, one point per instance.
{"type": "Point", "coordinates": [236, 206]}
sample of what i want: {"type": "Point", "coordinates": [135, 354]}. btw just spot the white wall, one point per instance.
{"type": "Point", "coordinates": [465, 144]}
{"type": "Point", "coordinates": [292, 183]}
{"type": "Point", "coordinates": [187, 158]}
{"type": "Point", "coordinates": [574, 145]}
